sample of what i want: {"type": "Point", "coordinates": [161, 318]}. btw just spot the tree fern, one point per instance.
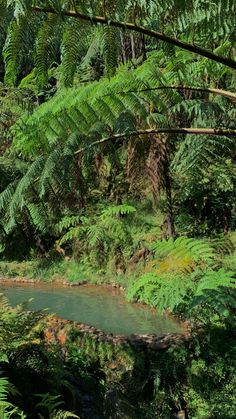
{"type": "Point", "coordinates": [66, 131]}
{"type": "Point", "coordinates": [72, 49]}
{"type": "Point", "coordinates": [199, 22]}
{"type": "Point", "coordinates": [185, 253]}
{"type": "Point", "coordinates": [38, 218]}
{"type": "Point", "coordinates": [100, 102]}
{"type": "Point", "coordinates": [46, 48]}
{"type": "Point", "coordinates": [103, 236]}
{"type": "Point", "coordinates": [216, 292]}
{"type": "Point", "coordinates": [162, 291]}
{"type": "Point", "coordinates": [110, 40]}
{"type": "Point", "coordinates": [19, 326]}
{"type": "Point", "coordinates": [68, 221]}
{"type": "Point", "coordinates": [72, 234]}
{"type": "Point", "coordinates": [7, 409]}
{"type": "Point", "coordinates": [18, 200]}
{"type": "Point", "coordinates": [117, 210]}
{"type": "Point", "coordinates": [17, 34]}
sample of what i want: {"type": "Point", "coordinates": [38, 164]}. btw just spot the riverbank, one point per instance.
{"type": "Point", "coordinates": [66, 272]}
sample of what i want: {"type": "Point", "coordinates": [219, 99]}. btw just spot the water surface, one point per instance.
{"type": "Point", "coordinates": [100, 307]}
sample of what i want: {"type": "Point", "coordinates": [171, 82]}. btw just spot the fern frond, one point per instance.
{"type": "Point", "coordinates": [15, 42]}
{"type": "Point", "coordinates": [136, 288]}
{"type": "Point", "coordinates": [198, 152]}
{"type": "Point", "coordinates": [39, 217]}
{"type": "Point", "coordinates": [72, 234]}
{"type": "Point", "coordinates": [162, 291]}
{"type": "Point", "coordinates": [63, 414]}
{"type": "Point", "coordinates": [111, 42]}
{"type": "Point", "coordinates": [191, 251]}
{"type": "Point", "coordinates": [4, 384]}
{"type": "Point", "coordinates": [6, 195]}
{"type": "Point", "coordinates": [47, 45]}
{"type": "Point", "coordinates": [49, 171]}
{"type": "Point", "coordinates": [68, 221]}
{"type": "Point", "coordinates": [117, 210]}
{"type": "Point", "coordinates": [72, 48]}
{"type": "Point", "coordinates": [4, 302]}
{"type": "Point", "coordinates": [223, 245]}
{"type": "Point", "coordinates": [216, 279]}
{"type": "Point", "coordinates": [95, 235]}
{"type": "Point", "coordinates": [18, 199]}
{"type": "Point", "coordinates": [216, 291]}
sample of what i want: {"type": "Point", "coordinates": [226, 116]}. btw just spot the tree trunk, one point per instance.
{"type": "Point", "coordinates": [170, 228]}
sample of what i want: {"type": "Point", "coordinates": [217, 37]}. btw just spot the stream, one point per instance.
{"type": "Point", "coordinates": [101, 307]}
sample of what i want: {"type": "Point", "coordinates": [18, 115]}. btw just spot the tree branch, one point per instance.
{"type": "Point", "coordinates": [219, 92]}
{"type": "Point", "coordinates": [196, 131]}
{"type": "Point", "coordinates": [133, 27]}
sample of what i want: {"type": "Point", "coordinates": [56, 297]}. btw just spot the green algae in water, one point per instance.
{"type": "Point", "coordinates": [96, 306]}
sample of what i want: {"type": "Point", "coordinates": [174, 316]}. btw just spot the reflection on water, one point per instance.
{"type": "Point", "coordinates": [96, 306]}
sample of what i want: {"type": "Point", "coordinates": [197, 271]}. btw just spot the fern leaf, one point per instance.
{"type": "Point", "coordinates": [68, 221]}
{"type": "Point", "coordinates": [213, 280]}
{"type": "Point", "coordinates": [72, 234]}
{"type": "Point", "coordinates": [47, 46]}
{"type": "Point", "coordinates": [216, 292]}
{"type": "Point", "coordinates": [110, 39]}
{"type": "Point", "coordinates": [117, 210]}
{"type": "Point", "coordinates": [16, 39]}
{"type": "Point", "coordinates": [72, 48]}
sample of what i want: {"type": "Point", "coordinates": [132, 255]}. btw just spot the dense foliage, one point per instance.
{"type": "Point", "coordinates": [117, 164]}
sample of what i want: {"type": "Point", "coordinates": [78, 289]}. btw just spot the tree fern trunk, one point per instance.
{"type": "Point", "coordinates": [132, 46]}
{"type": "Point", "coordinates": [170, 228]}
{"type": "Point", "coordinates": [123, 50]}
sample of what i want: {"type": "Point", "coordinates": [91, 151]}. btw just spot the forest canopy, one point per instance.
{"type": "Point", "coordinates": [137, 109]}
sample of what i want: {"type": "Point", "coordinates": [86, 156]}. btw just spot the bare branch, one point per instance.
{"type": "Point", "coordinates": [196, 131]}
{"type": "Point", "coordinates": [133, 27]}
{"type": "Point", "coordinates": [219, 92]}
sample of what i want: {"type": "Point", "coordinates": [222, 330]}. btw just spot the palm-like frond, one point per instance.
{"type": "Point", "coordinates": [200, 22]}
{"type": "Point", "coordinates": [216, 292]}
{"type": "Point", "coordinates": [196, 251]}
{"type": "Point", "coordinates": [73, 46]}
{"type": "Point", "coordinates": [164, 292]}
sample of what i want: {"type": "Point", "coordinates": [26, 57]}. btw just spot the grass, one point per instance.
{"type": "Point", "coordinates": [44, 270]}
{"type": "Point", "coordinates": [57, 270]}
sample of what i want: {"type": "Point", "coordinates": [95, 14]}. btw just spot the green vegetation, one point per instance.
{"type": "Point", "coordinates": [117, 165]}
{"type": "Point", "coordinates": [97, 379]}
